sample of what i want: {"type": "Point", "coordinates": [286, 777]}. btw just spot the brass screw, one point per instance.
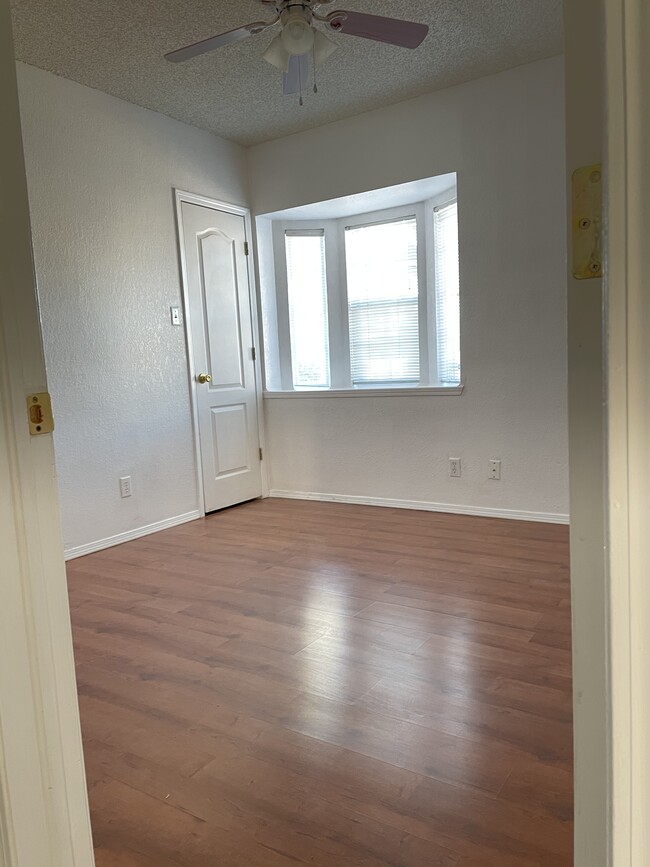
{"type": "Point", "coordinates": [584, 223]}
{"type": "Point", "coordinates": [594, 177]}
{"type": "Point", "coordinates": [34, 400]}
{"type": "Point", "coordinates": [595, 267]}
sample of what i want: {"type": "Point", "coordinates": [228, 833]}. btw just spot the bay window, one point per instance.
{"type": "Point", "coordinates": [365, 302]}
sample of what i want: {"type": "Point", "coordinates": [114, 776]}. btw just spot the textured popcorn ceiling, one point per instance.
{"type": "Point", "coordinates": [117, 46]}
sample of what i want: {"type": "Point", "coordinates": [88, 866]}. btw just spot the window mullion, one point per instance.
{"type": "Point", "coordinates": [432, 327]}
{"type": "Point", "coordinates": [445, 237]}
{"type": "Point", "coordinates": [423, 296]}
{"type": "Point", "coordinates": [282, 302]}
{"type": "Point", "coordinates": [337, 297]}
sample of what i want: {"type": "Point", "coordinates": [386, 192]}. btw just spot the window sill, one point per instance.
{"type": "Point", "coordinates": [417, 391]}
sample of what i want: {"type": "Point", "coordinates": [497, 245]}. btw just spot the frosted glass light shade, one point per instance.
{"type": "Point", "coordinates": [277, 55]}
{"type": "Point", "coordinates": [323, 47]}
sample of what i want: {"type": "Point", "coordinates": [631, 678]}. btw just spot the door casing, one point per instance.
{"type": "Point", "coordinates": [180, 196]}
{"type": "Point", "coordinates": [44, 817]}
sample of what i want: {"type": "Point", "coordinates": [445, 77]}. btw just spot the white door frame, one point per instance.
{"type": "Point", "coordinates": [180, 197]}
{"type": "Point", "coordinates": [627, 342]}
{"type": "Point", "coordinates": [44, 819]}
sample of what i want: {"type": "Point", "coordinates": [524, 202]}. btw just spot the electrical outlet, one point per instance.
{"type": "Point", "coordinates": [454, 468]}
{"type": "Point", "coordinates": [125, 486]}
{"type": "Point", "coordinates": [494, 470]}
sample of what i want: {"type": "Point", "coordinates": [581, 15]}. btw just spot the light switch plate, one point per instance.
{"type": "Point", "coordinates": [176, 315]}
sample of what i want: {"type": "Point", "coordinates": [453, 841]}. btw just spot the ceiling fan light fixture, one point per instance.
{"type": "Point", "coordinates": [297, 34]}
{"type": "Point", "coordinates": [324, 47]}
{"type": "Point", "coordinates": [277, 55]}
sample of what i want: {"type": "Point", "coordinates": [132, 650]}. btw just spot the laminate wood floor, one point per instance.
{"type": "Point", "coordinates": [296, 683]}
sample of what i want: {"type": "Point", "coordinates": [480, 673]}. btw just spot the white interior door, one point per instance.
{"type": "Point", "coordinates": [223, 356]}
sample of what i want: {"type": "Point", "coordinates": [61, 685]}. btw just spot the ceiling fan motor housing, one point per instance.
{"type": "Point", "coordinates": [297, 32]}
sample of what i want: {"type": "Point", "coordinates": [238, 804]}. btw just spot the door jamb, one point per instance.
{"type": "Point", "coordinates": [181, 196]}
{"type": "Point", "coordinates": [627, 306]}
{"type": "Point", "coordinates": [44, 817]}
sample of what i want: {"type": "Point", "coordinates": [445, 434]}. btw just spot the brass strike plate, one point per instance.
{"type": "Point", "coordinates": [39, 414]}
{"type": "Point", "coordinates": [586, 220]}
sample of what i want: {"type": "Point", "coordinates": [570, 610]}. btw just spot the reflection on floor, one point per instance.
{"type": "Point", "coordinates": [290, 683]}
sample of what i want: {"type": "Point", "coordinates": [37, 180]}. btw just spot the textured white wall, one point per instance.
{"type": "Point", "coordinates": [100, 174]}
{"type": "Point", "coordinates": [504, 135]}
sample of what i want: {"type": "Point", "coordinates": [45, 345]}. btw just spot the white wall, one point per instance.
{"type": "Point", "coordinates": [100, 175]}
{"type": "Point", "coordinates": [504, 135]}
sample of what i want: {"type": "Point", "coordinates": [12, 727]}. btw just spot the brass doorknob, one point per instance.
{"type": "Point", "coordinates": [204, 377]}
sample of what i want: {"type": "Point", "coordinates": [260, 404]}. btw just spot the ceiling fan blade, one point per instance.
{"type": "Point", "coordinates": [196, 48]}
{"type": "Point", "coordinates": [393, 31]}
{"type": "Point", "coordinates": [298, 72]}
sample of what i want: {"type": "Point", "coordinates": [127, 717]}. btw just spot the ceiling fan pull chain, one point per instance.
{"type": "Point", "coordinates": [313, 57]}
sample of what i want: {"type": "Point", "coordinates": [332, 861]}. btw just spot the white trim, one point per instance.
{"type": "Point", "coordinates": [129, 535]}
{"type": "Point", "coordinates": [44, 819]}
{"type": "Point", "coordinates": [419, 391]}
{"type": "Point", "coordinates": [259, 350]}
{"type": "Point", "coordinates": [425, 506]}
{"type": "Point", "coordinates": [181, 196]}
{"type": "Point", "coordinates": [627, 307]}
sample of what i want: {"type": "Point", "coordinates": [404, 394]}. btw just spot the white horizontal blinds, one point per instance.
{"type": "Point", "coordinates": [382, 278]}
{"type": "Point", "coordinates": [307, 295]}
{"type": "Point", "coordinates": [445, 225]}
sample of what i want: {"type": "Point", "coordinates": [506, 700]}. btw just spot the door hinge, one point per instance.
{"type": "Point", "coordinates": [254, 353]}
{"type": "Point", "coordinates": [245, 248]}
{"type": "Point", "coordinates": [261, 455]}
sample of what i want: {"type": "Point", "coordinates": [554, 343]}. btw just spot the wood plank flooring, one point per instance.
{"type": "Point", "coordinates": [296, 683]}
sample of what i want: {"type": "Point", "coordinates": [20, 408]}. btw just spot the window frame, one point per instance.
{"type": "Point", "coordinates": [307, 233]}
{"type": "Point", "coordinates": [437, 204]}
{"type": "Point", "coordinates": [394, 215]}
{"type": "Point", "coordinates": [337, 301]}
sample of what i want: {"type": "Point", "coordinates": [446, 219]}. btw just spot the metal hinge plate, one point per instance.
{"type": "Point", "coordinates": [245, 248]}
{"type": "Point", "coordinates": [253, 353]}
{"type": "Point", "coordinates": [261, 455]}
{"type": "Point", "coordinates": [39, 414]}
{"type": "Point", "coordinates": [586, 222]}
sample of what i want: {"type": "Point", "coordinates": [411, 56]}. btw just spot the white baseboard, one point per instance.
{"type": "Point", "coordinates": [424, 506]}
{"type": "Point", "coordinates": [81, 550]}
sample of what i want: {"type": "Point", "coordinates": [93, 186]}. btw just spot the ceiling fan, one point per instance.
{"type": "Point", "coordinates": [300, 40]}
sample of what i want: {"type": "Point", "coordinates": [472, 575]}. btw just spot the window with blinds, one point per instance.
{"type": "Point", "coordinates": [445, 225]}
{"type": "Point", "coordinates": [382, 283]}
{"type": "Point", "coordinates": [307, 297]}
